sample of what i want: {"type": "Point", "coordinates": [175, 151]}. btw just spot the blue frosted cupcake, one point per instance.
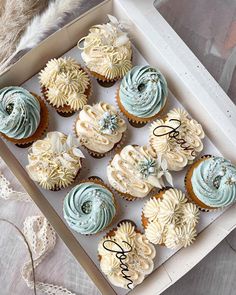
{"type": "Point", "coordinates": [23, 115]}
{"type": "Point", "coordinates": [211, 182]}
{"type": "Point", "coordinates": [142, 94]}
{"type": "Point", "coordinates": [89, 207]}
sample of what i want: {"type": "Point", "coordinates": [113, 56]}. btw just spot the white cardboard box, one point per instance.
{"type": "Point", "coordinates": [189, 82]}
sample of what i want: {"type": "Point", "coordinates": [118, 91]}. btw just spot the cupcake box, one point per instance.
{"type": "Point", "coordinates": [190, 87]}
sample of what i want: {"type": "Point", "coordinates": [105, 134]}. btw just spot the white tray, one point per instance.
{"type": "Point", "coordinates": [194, 88]}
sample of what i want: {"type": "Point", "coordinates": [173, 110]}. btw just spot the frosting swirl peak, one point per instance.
{"type": "Point", "coordinates": [143, 91]}
{"type": "Point", "coordinates": [89, 208]}
{"type": "Point", "coordinates": [19, 112]}
{"type": "Point", "coordinates": [214, 182]}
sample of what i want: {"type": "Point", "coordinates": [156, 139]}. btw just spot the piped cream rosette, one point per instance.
{"type": "Point", "coordinates": [54, 161]}
{"type": "Point", "coordinates": [170, 219]}
{"type": "Point", "coordinates": [65, 84]}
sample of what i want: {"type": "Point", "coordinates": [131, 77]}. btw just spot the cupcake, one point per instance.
{"type": "Point", "coordinates": [89, 207]}
{"type": "Point", "coordinates": [126, 256]}
{"type": "Point", "coordinates": [100, 129]}
{"type": "Point", "coordinates": [177, 139]}
{"type": "Point", "coordinates": [65, 85]}
{"type": "Point", "coordinates": [135, 171]}
{"type": "Point", "coordinates": [55, 161]}
{"type": "Point", "coordinates": [211, 182]}
{"type": "Point", "coordinates": [142, 94]}
{"type": "Point", "coordinates": [23, 115]}
{"type": "Point", "coordinates": [107, 51]}
{"type": "Point", "coordinates": [169, 219]}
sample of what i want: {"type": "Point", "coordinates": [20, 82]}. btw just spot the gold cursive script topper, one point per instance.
{"type": "Point", "coordinates": [121, 254]}
{"type": "Point", "coordinates": [174, 134]}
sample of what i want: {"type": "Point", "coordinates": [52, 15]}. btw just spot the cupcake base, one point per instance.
{"type": "Point", "coordinates": [136, 124]}
{"type": "Point", "coordinates": [189, 188]}
{"type": "Point", "coordinates": [24, 146]}
{"type": "Point", "coordinates": [102, 80]}
{"type": "Point", "coordinates": [43, 125]}
{"type": "Point", "coordinates": [106, 84]}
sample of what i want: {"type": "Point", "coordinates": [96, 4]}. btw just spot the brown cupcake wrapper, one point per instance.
{"type": "Point", "coordinates": [41, 130]}
{"type": "Point", "coordinates": [200, 207]}
{"type": "Point", "coordinates": [135, 119]}
{"type": "Point", "coordinates": [66, 108]}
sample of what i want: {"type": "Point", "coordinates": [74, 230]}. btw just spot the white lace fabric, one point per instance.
{"type": "Point", "coordinates": [41, 238]}
{"type": "Point", "coordinates": [8, 193]}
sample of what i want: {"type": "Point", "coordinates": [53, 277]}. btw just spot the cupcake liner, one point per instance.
{"type": "Point", "coordinates": [101, 77]}
{"type": "Point", "coordinates": [189, 190]}
{"type": "Point", "coordinates": [133, 119]}
{"type": "Point", "coordinates": [41, 130]}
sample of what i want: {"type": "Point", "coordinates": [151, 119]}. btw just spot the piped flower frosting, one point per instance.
{"type": "Point", "coordinates": [171, 219]}
{"type": "Point", "coordinates": [54, 161]}
{"type": "Point", "coordinates": [65, 83]}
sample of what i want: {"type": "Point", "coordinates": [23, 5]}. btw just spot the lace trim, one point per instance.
{"type": "Point", "coordinates": [7, 192]}
{"type": "Point", "coordinates": [42, 239]}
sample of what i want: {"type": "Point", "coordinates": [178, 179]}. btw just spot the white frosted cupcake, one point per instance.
{"type": "Point", "coordinates": [65, 85]}
{"type": "Point", "coordinates": [55, 161]}
{"type": "Point", "coordinates": [100, 129]}
{"type": "Point", "coordinates": [135, 171]}
{"type": "Point", "coordinates": [170, 219]}
{"type": "Point", "coordinates": [177, 139]}
{"type": "Point", "coordinates": [126, 256]}
{"type": "Point", "coordinates": [107, 51]}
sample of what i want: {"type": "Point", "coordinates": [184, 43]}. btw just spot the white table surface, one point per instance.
{"type": "Point", "coordinates": [209, 28]}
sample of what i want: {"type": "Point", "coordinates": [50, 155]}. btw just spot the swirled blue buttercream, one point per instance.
{"type": "Point", "coordinates": [19, 112]}
{"type": "Point", "coordinates": [89, 208]}
{"type": "Point", "coordinates": [143, 91]}
{"type": "Point", "coordinates": [214, 182]}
